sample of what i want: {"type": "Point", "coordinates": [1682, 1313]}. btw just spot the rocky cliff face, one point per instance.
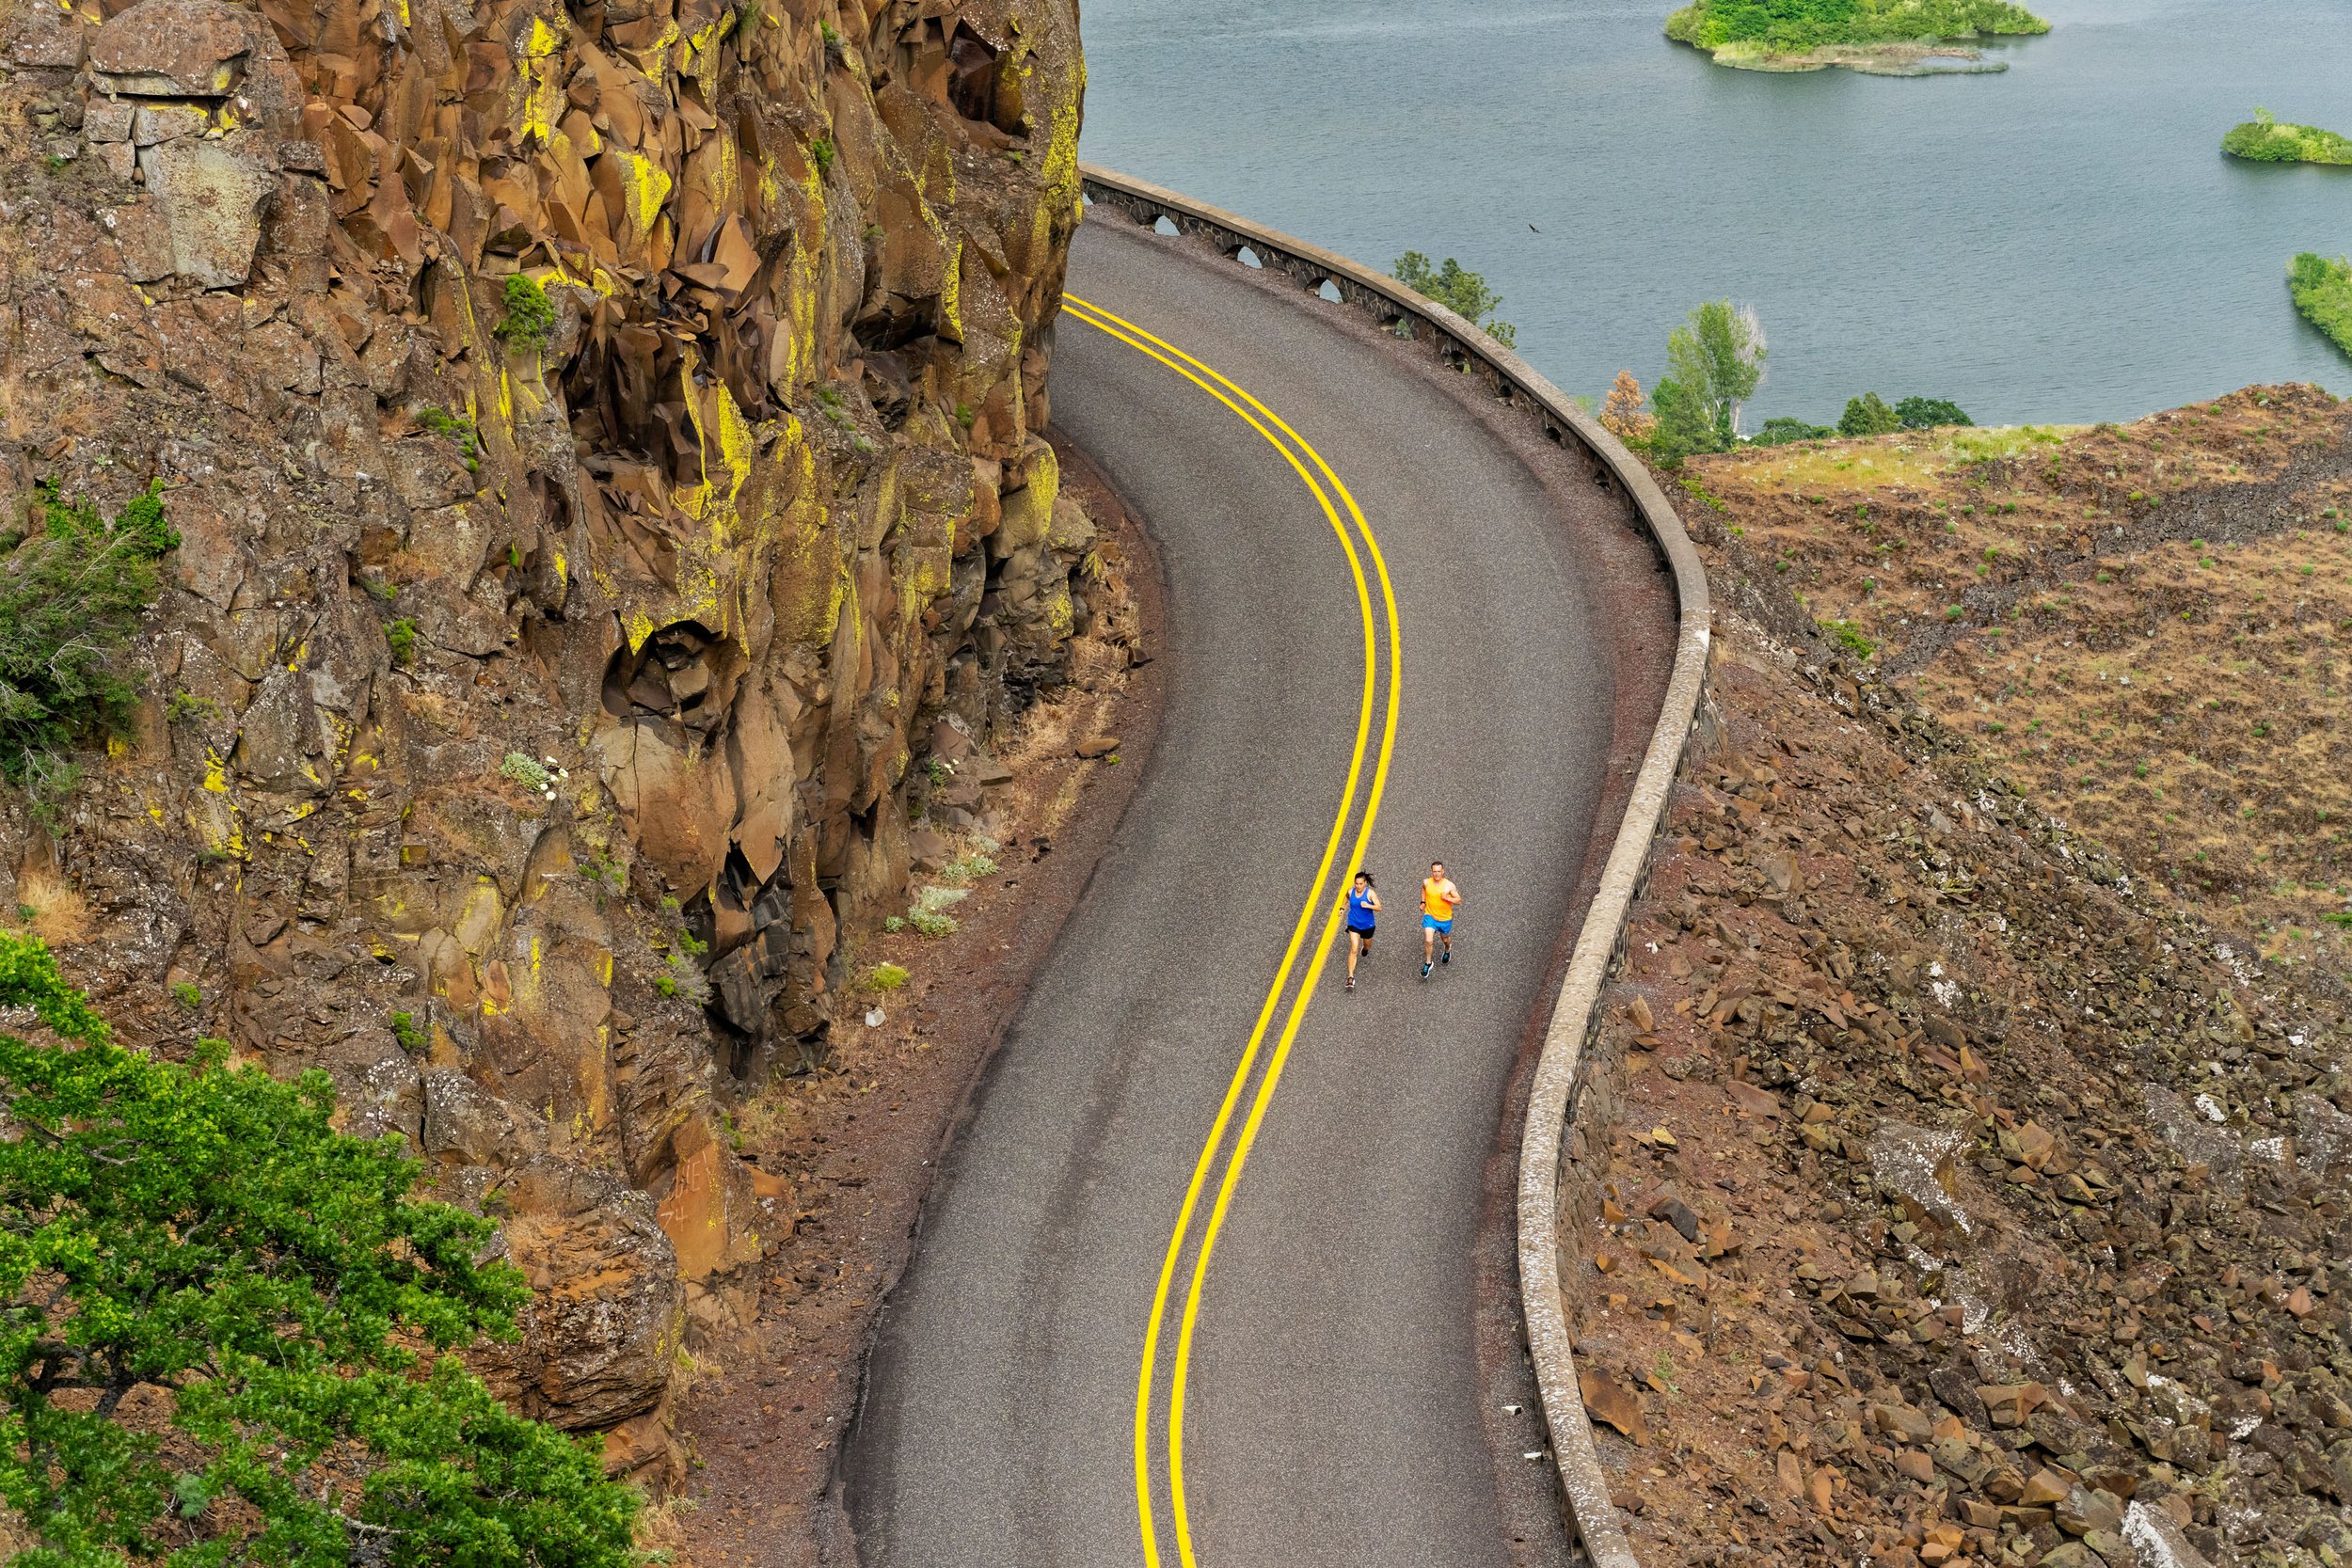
{"type": "Point", "coordinates": [606, 442]}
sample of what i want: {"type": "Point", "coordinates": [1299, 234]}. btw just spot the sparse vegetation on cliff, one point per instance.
{"type": "Point", "coordinates": [2323, 292]}
{"type": "Point", "coordinates": [2264, 139]}
{"type": "Point", "coordinates": [72, 587]}
{"type": "Point", "coordinates": [1459, 290]}
{"type": "Point", "coordinates": [1801, 35]}
{"type": "Point", "coordinates": [530, 315]}
{"type": "Point", "coordinates": [229, 1329]}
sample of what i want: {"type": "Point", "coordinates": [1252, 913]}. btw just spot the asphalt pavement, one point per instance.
{"type": "Point", "coordinates": [1331, 1400]}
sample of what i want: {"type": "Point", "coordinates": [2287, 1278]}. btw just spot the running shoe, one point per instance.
{"type": "Point", "coordinates": [1446, 957]}
{"type": "Point", "coordinates": [1424, 972]}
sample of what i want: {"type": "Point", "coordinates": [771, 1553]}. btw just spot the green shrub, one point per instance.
{"type": "Point", "coordinates": [2323, 292]}
{"type": "Point", "coordinates": [442, 423]}
{"type": "Point", "coordinates": [931, 923]}
{"type": "Point", "coordinates": [1459, 290]}
{"type": "Point", "coordinates": [526, 770]}
{"type": "Point", "coordinates": [72, 590]}
{"type": "Point", "coordinates": [1930, 413]}
{"type": "Point", "coordinates": [186, 994]}
{"type": "Point", "coordinates": [1781, 431]}
{"type": "Point", "coordinates": [1868, 415]}
{"type": "Point", "coordinates": [402, 636]}
{"type": "Point", "coordinates": [1847, 635]}
{"type": "Point", "coordinates": [2264, 141]}
{"type": "Point", "coordinates": [886, 978]}
{"type": "Point", "coordinates": [186, 707]}
{"type": "Point", "coordinates": [203, 1232]}
{"type": "Point", "coordinates": [824, 151]}
{"type": "Point", "coordinates": [530, 315]}
{"type": "Point", "coordinates": [408, 1034]}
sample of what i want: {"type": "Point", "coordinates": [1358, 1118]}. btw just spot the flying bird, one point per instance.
{"type": "Point", "coordinates": [1532, 230]}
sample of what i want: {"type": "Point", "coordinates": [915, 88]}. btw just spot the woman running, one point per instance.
{"type": "Point", "coordinates": [1363, 906]}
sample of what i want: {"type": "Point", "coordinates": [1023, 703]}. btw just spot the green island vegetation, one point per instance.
{"type": "Point", "coordinates": [1891, 37]}
{"type": "Point", "coordinates": [231, 1334]}
{"type": "Point", "coordinates": [1459, 290]}
{"type": "Point", "coordinates": [2264, 141]}
{"type": "Point", "coordinates": [72, 587]}
{"type": "Point", "coordinates": [2323, 292]}
{"type": "Point", "coordinates": [1715, 363]}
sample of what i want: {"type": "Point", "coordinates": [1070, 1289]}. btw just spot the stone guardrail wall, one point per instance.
{"type": "Point", "coordinates": [1559, 1077]}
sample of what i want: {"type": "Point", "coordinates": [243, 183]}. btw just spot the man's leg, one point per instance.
{"type": "Point", "coordinates": [1445, 939]}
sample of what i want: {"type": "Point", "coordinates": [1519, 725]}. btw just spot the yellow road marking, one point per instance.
{"type": "Point", "coordinates": [1167, 354]}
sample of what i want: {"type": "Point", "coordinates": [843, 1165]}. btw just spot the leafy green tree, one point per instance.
{"type": "Point", "coordinates": [1867, 415]}
{"type": "Point", "coordinates": [215, 1318]}
{"type": "Point", "coordinates": [1780, 432]}
{"type": "Point", "coordinates": [1927, 413]}
{"type": "Point", "coordinates": [72, 588]}
{"type": "Point", "coordinates": [1685, 427]}
{"type": "Point", "coordinates": [1717, 357]}
{"type": "Point", "coordinates": [1459, 290]}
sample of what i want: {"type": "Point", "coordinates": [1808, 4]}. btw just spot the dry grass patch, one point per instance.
{"type": "Point", "coordinates": [2148, 627]}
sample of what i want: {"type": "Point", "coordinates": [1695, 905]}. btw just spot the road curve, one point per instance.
{"type": "Point", "coordinates": [1331, 1392]}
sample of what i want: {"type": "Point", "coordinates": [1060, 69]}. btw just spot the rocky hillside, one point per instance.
{"type": "Point", "coordinates": [605, 443]}
{"type": "Point", "coordinates": [2143, 625]}
{"type": "Point", "coordinates": [1965, 1190]}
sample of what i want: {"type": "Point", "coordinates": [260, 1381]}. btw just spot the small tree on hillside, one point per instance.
{"type": "Point", "coordinates": [72, 588]}
{"type": "Point", "coordinates": [1717, 357]}
{"type": "Point", "coordinates": [1867, 415]}
{"type": "Point", "coordinates": [1684, 426]}
{"type": "Point", "coordinates": [215, 1318]}
{"type": "Point", "coordinates": [1930, 413]}
{"type": "Point", "coordinates": [1626, 414]}
{"type": "Point", "coordinates": [1459, 290]}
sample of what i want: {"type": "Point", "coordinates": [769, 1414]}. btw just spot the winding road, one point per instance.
{"type": "Point", "coordinates": [1197, 1284]}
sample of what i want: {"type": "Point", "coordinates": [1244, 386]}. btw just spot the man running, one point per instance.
{"type": "Point", "coordinates": [1363, 908]}
{"type": "Point", "coordinates": [1439, 899]}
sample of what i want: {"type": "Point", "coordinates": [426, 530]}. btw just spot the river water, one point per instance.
{"type": "Point", "coordinates": [2063, 241]}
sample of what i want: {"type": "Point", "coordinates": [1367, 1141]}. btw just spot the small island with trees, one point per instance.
{"type": "Point", "coordinates": [1882, 37]}
{"type": "Point", "coordinates": [2264, 141]}
{"type": "Point", "coordinates": [2323, 292]}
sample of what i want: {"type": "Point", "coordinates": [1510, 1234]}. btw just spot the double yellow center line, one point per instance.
{"type": "Point", "coordinates": [1323, 893]}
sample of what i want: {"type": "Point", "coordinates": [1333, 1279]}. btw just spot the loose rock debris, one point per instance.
{"type": "Point", "coordinates": [1953, 1199]}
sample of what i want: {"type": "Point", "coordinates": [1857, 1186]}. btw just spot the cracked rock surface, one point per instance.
{"type": "Point", "coordinates": [607, 441]}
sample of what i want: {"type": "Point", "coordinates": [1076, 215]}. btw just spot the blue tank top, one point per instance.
{"type": "Point", "coordinates": [1359, 913]}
